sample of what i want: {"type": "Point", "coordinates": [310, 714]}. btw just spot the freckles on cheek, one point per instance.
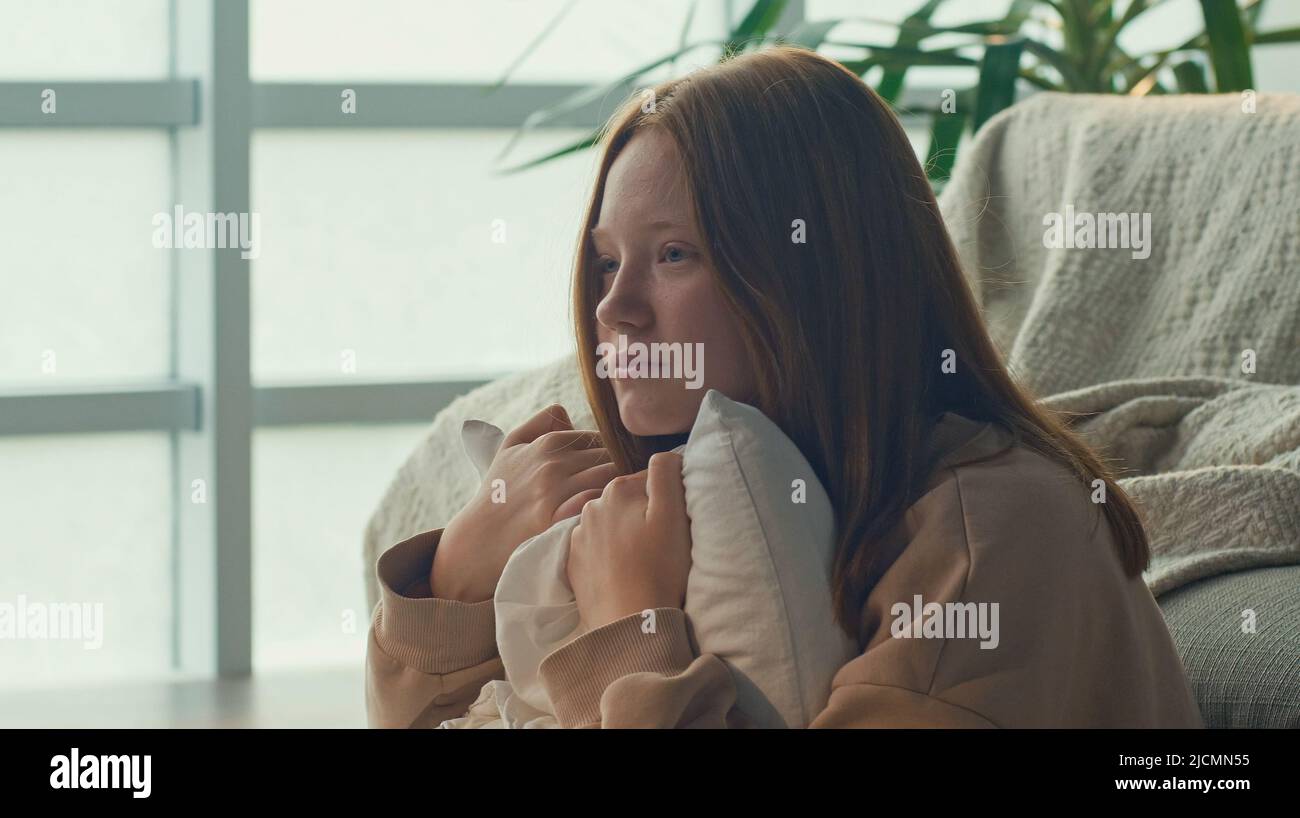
{"type": "Point", "coordinates": [694, 311]}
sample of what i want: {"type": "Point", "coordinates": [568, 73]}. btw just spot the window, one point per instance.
{"type": "Point", "coordinates": [308, 513]}
{"type": "Point", "coordinates": [58, 321]}
{"type": "Point", "coordinates": [77, 40]}
{"type": "Point", "coordinates": [393, 253]}
{"type": "Point", "coordinates": [431, 42]}
{"type": "Point", "coordinates": [87, 522]}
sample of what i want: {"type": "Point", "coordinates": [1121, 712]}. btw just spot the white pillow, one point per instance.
{"type": "Point", "coordinates": [758, 594]}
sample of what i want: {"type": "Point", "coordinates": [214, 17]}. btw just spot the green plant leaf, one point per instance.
{"type": "Point", "coordinates": [1004, 26]}
{"type": "Point", "coordinates": [1074, 32]}
{"type": "Point", "coordinates": [1190, 77]}
{"type": "Point", "coordinates": [1055, 5]}
{"type": "Point", "coordinates": [811, 35]}
{"type": "Point", "coordinates": [1018, 13]}
{"type": "Point", "coordinates": [686, 26]}
{"type": "Point", "coordinates": [858, 67]}
{"type": "Point", "coordinates": [891, 82]}
{"type": "Point", "coordinates": [917, 27]}
{"type": "Point", "coordinates": [1111, 37]}
{"type": "Point", "coordinates": [1069, 76]}
{"type": "Point", "coordinates": [755, 25]}
{"type": "Point", "coordinates": [1229, 51]}
{"type": "Point", "coordinates": [997, 84]}
{"type": "Point", "coordinates": [881, 54]}
{"type": "Point", "coordinates": [1281, 35]}
{"type": "Point", "coordinates": [582, 144]}
{"type": "Point", "coordinates": [1031, 76]}
{"type": "Point", "coordinates": [532, 46]}
{"type": "Point", "coordinates": [587, 96]}
{"type": "Point", "coordinates": [1103, 12]}
{"type": "Point", "coordinates": [1252, 12]}
{"type": "Point", "coordinates": [945, 134]}
{"type": "Point", "coordinates": [685, 30]}
{"type": "Point", "coordinates": [1132, 70]}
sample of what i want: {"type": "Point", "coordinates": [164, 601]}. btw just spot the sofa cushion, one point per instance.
{"type": "Point", "coordinates": [1240, 679]}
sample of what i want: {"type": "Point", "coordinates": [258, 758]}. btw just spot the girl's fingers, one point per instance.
{"type": "Point", "coordinates": [573, 506]}
{"type": "Point", "coordinates": [566, 440]}
{"type": "Point", "coordinates": [551, 419]}
{"type": "Point", "coordinates": [592, 478]}
{"type": "Point", "coordinates": [581, 459]}
{"type": "Point", "coordinates": [664, 486]}
{"type": "Point", "coordinates": [627, 493]}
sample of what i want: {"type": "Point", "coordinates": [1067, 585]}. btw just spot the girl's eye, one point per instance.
{"type": "Point", "coordinates": [674, 254]}
{"type": "Point", "coordinates": [607, 266]}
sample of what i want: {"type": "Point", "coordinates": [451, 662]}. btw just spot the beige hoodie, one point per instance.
{"type": "Point", "coordinates": [1076, 643]}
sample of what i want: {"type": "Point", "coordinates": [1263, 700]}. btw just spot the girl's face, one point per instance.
{"type": "Point", "coordinates": [658, 288]}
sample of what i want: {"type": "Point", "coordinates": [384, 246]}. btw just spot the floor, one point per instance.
{"type": "Point", "coordinates": [316, 698]}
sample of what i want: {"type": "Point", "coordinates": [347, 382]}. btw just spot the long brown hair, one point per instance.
{"type": "Point", "coordinates": [845, 330]}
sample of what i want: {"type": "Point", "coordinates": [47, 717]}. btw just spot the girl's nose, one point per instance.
{"type": "Point", "coordinates": [625, 308]}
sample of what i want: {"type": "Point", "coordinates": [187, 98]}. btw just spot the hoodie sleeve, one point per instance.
{"type": "Point", "coordinates": [426, 658]}
{"type": "Point", "coordinates": [621, 675]}
{"type": "Point", "coordinates": [618, 677]}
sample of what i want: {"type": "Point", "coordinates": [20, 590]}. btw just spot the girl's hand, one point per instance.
{"type": "Point", "coordinates": [631, 551]}
{"type": "Point", "coordinates": [548, 471]}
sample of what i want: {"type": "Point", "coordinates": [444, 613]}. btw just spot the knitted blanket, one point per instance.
{"type": "Point", "coordinates": [1203, 280]}
{"type": "Point", "coordinates": [1205, 285]}
{"type": "Point", "coordinates": [1216, 465]}
{"type": "Point", "coordinates": [1219, 286]}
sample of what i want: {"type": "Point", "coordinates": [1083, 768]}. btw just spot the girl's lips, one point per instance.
{"type": "Point", "coordinates": [618, 371]}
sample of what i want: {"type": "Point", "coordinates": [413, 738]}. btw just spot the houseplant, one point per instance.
{"type": "Point", "coordinates": [1057, 45]}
